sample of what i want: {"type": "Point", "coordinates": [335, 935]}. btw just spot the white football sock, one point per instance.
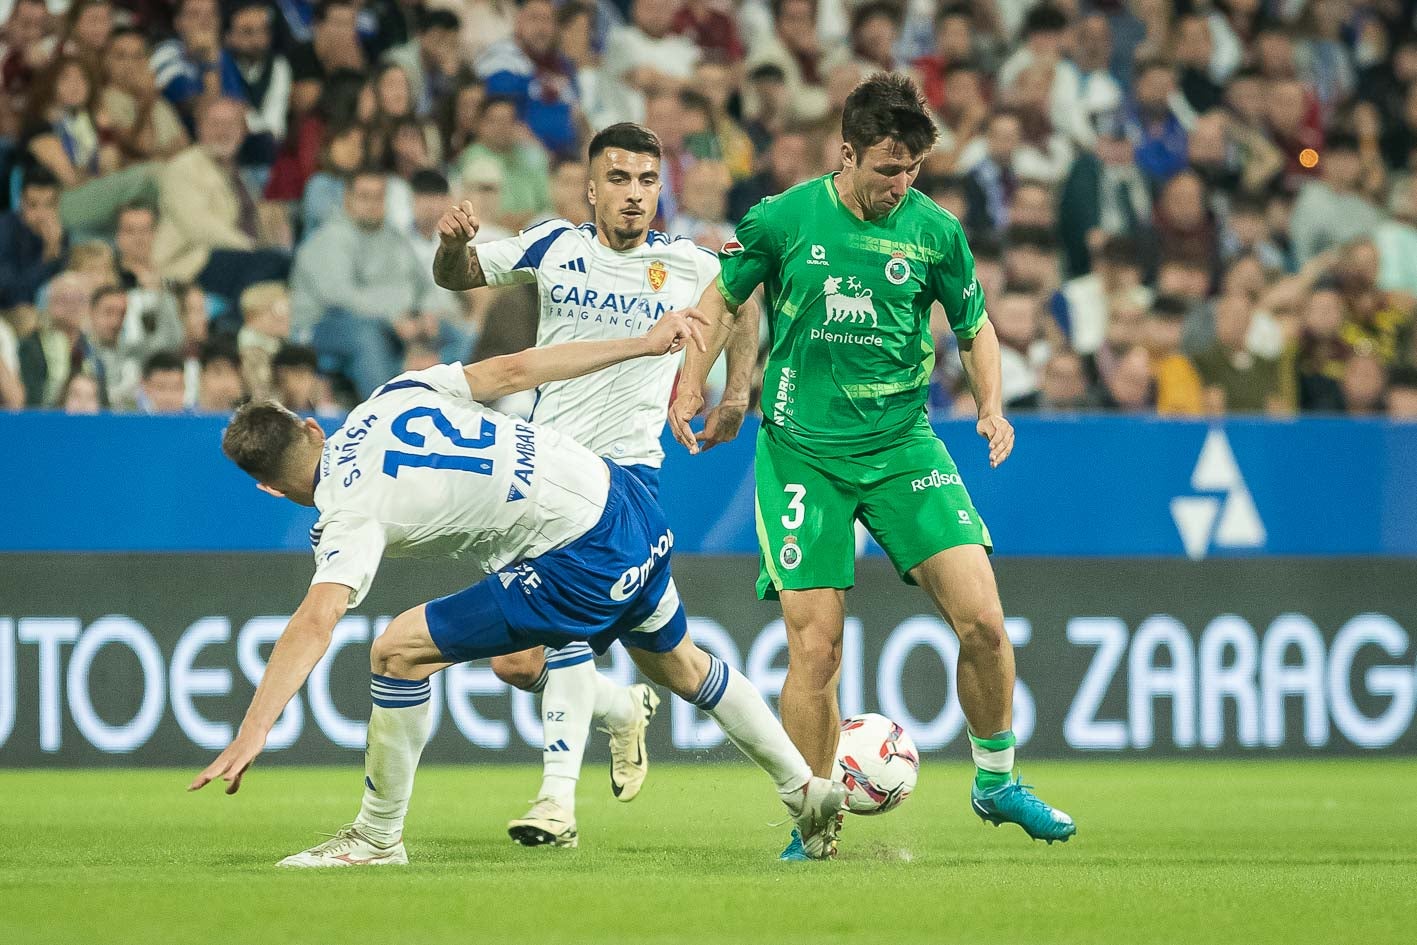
{"type": "Point", "coordinates": [615, 706]}
{"type": "Point", "coordinates": [739, 709]}
{"type": "Point", "coordinates": [567, 704]}
{"type": "Point", "coordinates": [399, 724]}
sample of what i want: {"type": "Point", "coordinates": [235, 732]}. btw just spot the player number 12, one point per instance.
{"type": "Point", "coordinates": [394, 460]}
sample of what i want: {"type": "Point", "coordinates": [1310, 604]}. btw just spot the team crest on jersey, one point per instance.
{"type": "Point", "coordinates": [790, 556]}
{"type": "Point", "coordinates": [897, 269]}
{"type": "Point", "coordinates": [658, 272]}
{"type": "Point", "coordinates": [732, 247]}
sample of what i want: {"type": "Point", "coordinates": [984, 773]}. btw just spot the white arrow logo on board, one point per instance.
{"type": "Point", "coordinates": [1229, 520]}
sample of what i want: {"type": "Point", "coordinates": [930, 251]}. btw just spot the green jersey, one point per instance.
{"type": "Point", "coordinates": [849, 303]}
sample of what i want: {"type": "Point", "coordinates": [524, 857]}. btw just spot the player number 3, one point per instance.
{"type": "Point", "coordinates": [796, 511]}
{"type": "Point", "coordinates": [394, 460]}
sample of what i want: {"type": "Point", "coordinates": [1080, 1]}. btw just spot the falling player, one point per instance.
{"type": "Point", "coordinates": [852, 263]}
{"type": "Point", "coordinates": [606, 279]}
{"type": "Point", "coordinates": [576, 550]}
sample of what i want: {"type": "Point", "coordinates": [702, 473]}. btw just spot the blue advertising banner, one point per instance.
{"type": "Point", "coordinates": [1077, 486]}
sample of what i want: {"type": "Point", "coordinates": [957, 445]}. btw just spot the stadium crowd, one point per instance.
{"type": "Point", "coordinates": [1182, 208]}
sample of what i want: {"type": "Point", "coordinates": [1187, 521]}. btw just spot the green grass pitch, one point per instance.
{"type": "Point", "coordinates": [1185, 852]}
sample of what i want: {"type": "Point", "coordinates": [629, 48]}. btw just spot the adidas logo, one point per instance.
{"type": "Point", "coordinates": [558, 745]}
{"type": "Point", "coordinates": [575, 265]}
{"type": "Point", "coordinates": [1228, 517]}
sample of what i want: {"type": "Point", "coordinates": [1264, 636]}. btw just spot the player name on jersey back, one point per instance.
{"type": "Point", "coordinates": [421, 469]}
{"type": "Point", "coordinates": [591, 292]}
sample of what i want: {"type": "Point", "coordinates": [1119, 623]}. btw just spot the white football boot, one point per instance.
{"type": "Point", "coordinates": [547, 823]}
{"type": "Point", "coordinates": [629, 762]}
{"type": "Point", "coordinates": [349, 847]}
{"type": "Point", "coordinates": [818, 810]}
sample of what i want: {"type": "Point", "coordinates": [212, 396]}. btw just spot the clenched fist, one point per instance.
{"type": "Point", "coordinates": [458, 225]}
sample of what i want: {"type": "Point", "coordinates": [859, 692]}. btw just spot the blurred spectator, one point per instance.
{"type": "Point", "coordinates": [1331, 211]}
{"type": "Point", "coordinates": [765, 105]}
{"type": "Point", "coordinates": [33, 244]}
{"type": "Point", "coordinates": [953, 46]}
{"type": "Point", "coordinates": [146, 125]}
{"type": "Point", "coordinates": [482, 187]}
{"type": "Point", "coordinates": [208, 225]}
{"type": "Point", "coordinates": [794, 50]}
{"type": "Point", "coordinates": [703, 215]}
{"type": "Point", "coordinates": [1314, 361]}
{"type": "Point", "coordinates": [1183, 222]}
{"type": "Point", "coordinates": [120, 368]}
{"type": "Point", "coordinates": [1087, 300]}
{"type": "Point", "coordinates": [59, 346]}
{"type": "Point", "coordinates": [1156, 121]}
{"type": "Point", "coordinates": [1247, 233]}
{"type": "Point", "coordinates": [188, 66]}
{"type": "Point", "coordinates": [84, 32]}
{"type": "Point", "coordinates": [1063, 385]}
{"type": "Point", "coordinates": [1379, 322]}
{"type": "Point", "coordinates": [875, 32]}
{"type": "Point", "coordinates": [333, 46]}
{"type": "Point", "coordinates": [1128, 387]}
{"type": "Point", "coordinates": [265, 329]}
{"type": "Point", "coordinates": [781, 171]}
{"type": "Point", "coordinates": [219, 387]}
{"type": "Point", "coordinates": [1402, 395]}
{"type": "Point", "coordinates": [1179, 389]}
{"type": "Point", "coordinates": [458, 119]}
{"type": "Point", "coordinates": [1103, 195]}
{"type": "Point", "coordinates": [255, 73]}
{"type": "Point", "coordinates": [1236, 380]}
{"type": "Point", "coordinates": [1364, 385]}
{"type": "Point", "coordinates": [523, 164]}
{"type": "Point", "coordinates": [63, 130]}
{"type": "Point", "coordinates": [1193, 51]}
{"type": "Point", "coordinates": [359, 284]}
{"type": "Point", "coordinates": [1396, 240]}
{"type": "Point", "coordinates": [715, 82]}
{"type": "Point", "coordinates": [432, 61]}
{"type": "Point", "coordinates": [163, 389]}
{"type": "Point", "coordinates": [431, 198]}
{"type": "Point", "coordinates": [646, 53]}
{"type": "Point", "coordinates": [1044, 36]}
{"type": "Point", "coordinates": [81, 395]}
{"type": "Point", "coordinates": [530, 70]}
{"type": "Point", "coordinates": [1293, 125]}
{"type": "Point", "coordinates": [296, 381]}
{"type": "Point", "coordinates": [568, 194]}
{"type": "Point", "coordinates": [344, 153]}
{"type": "Point", "coordinates": [1099, 95]}
{"type": "Point", "coordinates": [604, 99]}
{"type": "Point", "coordinates": [23, 52]}
{"type": "Point", "coordinates": [711, 27]}
{"type": "Point", "coordinates": [1021, 351]}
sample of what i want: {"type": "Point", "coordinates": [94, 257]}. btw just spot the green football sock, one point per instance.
{"type": "Point", "coordinates": [993, 759]}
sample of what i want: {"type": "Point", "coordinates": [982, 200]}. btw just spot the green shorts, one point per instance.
{"type": "Point", "coordinates": [908, 495]}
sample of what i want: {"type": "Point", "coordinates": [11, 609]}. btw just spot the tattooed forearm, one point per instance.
{"type": "Point", "coordinates": [457, 267]}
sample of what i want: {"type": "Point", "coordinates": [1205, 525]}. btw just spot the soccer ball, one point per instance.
{"type": "Point", "coordinates": [877, 762]}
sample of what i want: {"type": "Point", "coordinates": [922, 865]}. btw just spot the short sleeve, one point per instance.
{"type": "Point", "coordinates": [952, 282]}
{"type": "Point", "coordinates": [447, 379]}
{"type": "Point", "coordinates": [749, 257]}
{"type": "Point", "coordinates": [348, 551]}
{"type": "Point", "coordinates": [706, 270]}
{"type": "Point", "coordinates": [517, 258]}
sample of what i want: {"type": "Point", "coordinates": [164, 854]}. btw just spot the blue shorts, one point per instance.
{"type": "Point", "coordinates": [648, 477]}
{"type": "Point", "coordinates": [612, 583]}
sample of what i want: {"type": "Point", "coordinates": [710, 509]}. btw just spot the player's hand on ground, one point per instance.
{"type": "Point", "coordinates": [231, 764]}
{"type": "Point", "coordinates": [458, 225]}
{"type": "Point", "coordinates": [723, 424]}
{"type": "Point", "coordinates": [686, 406]}
{"type": "Point", "coordinates": [674, 330]}
{"type": "Point", "coordinates": [1000, 434]}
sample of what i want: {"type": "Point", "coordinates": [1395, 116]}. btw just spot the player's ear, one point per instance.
{"type": "Point", "coordinates": [848, 155]}
{"type": "Point", "coordinates": [314, 431]}
{"type": "Point", "coordinates": [270, 491]}
{"type": "Point", "coordinates": [590, 191]}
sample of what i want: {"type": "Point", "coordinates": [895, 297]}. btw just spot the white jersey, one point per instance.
{"type": "Point", "coordinates": [590, 292]}
{"type": "Point", "coordinates": [422, 470]}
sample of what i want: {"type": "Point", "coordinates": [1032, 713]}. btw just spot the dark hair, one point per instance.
{"type": "Point", "coordinates": [439, 19]}
{"type": "Point", "coordinates": [569, 11]}
{"type": "Point", "coordinates": [942, 183]}
{"type": "Point", "coordinates": [1031, 237]}
{"type": "Point", "coordinates": [322, 9]}
{"type": "Point", "coordinates": [1248, 202]}
{"type": "Point", "coordinates": [368, 170]}
{"type": "Point", "coordinates": [296, 356]}
{"type": "Point", "coordinates": [767, 72]}
{"type": "Point", "coordinates": [949, 11]}
{"type": "Point", "coordinates": [627, 136]}
{"type": "Point", "coordinates": [963, 65]}
{"type": "Point", "coordinates": [428, 181]}
{"type": "Point", "coordinates": [135, 207]}
{"type": "Point", "coordinates": [1169, 308]}
{"type": "Point", "coordinates": [1152, 63]}
{"type": "Point", "coordinates": [887, 106]}
{"type": "Point", "coordinates": [1043, 18]}
{"type": "Point", "coordinates": [260, 438]}
{"type": "Point", "coordinates": [161, 361]}
{"type": "Point", "coordinates": [1403, 377]}
{"type": "Point", "coordinates": [1120, 250]}
{"type": "Point", "coordinates": [119, 32]}
{"type": "Point", "coordinates": [219, 348]}
{"type": "Point", "coordinates": [106, 290]}
{"type": "Point", "coordinates": [777, 6]}
{"type": "Point", "coordinates": [37, 175]}
{"type": "Point", "coordinates": [872, 9]}
{"type": "Point", "coordinates": [986, 248]}
{"type": "Point", "coordinates": [1341, 141]}
{"type": "Point", "coordinates": [241, 6]}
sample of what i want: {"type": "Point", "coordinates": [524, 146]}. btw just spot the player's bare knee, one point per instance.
{"type": "Point", "coordinates": [519, 670]}
{"type": "Point", "coordinates": [982, 629]}
{"type": "Point", "coordinates": [815, 659]}
{"type": "Point", "coordinates": [391, 655]}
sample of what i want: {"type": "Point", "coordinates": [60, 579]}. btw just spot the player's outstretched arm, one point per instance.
{"type": "Point", "coordinates": [455, 265]}
{"type": "Point", "coordinates": [302, 643]}
{"type": "Point", "coordinates": [726, 419]}
{"type": "Point", "coordinates": [498, 377]}
{"type": "Point", "coordinates": [722, 316]}
{"type": "Point", "coordinates": [980, 357]}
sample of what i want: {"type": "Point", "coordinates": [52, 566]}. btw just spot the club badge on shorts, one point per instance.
{"type": "Point", "coordinates": [790, 556]}
{"type": "Point", "coordinates": [897, 269]}
{"type": "Point", "coordinates": [657, 274]}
